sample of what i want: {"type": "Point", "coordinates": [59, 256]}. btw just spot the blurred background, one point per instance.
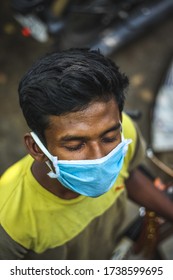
{"type": "Point", "coordinates": [137, 35]}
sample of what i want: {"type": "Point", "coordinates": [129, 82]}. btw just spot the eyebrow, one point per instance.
{"type": "Point", "coordinates": [79, 138]}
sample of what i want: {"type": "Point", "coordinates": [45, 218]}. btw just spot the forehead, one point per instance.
{"type": "Point", "coordinates": [95, 118]}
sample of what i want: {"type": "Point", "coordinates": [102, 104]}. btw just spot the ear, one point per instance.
{"type": "Point", "coordinates": [33, 148]}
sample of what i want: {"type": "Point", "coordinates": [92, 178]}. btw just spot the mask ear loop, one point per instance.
{"type": "Point", "coordinates": [121, 131]}
{"type": "Point", "coordinates": [53, 159]}
{"type": "Point", "coordinates": [122, 139]}
{"type": "Point", "coordinates": [49, 165]}
{"type": "Point", "coordinates": [41, 146]}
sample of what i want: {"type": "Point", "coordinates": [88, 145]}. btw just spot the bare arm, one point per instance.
{"type": "Point", "coordinates": [141, 190]}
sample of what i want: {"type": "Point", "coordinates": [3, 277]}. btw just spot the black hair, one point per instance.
{"type": "Point", "coordinates": [68, 81]}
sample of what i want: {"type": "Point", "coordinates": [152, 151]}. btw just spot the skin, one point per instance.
{"type": "Point", "coordinates": [141, 190]}
{"type": "Point", "coordinates": [88, 134]}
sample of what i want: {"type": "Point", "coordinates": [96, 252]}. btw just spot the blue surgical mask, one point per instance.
{"type": "Point", "coordinates": [87, 177]}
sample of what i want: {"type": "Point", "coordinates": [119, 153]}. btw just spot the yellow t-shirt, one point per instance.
{"type": "Point", "coordinates": [37, 219]}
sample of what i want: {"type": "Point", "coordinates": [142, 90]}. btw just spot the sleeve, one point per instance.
{"type": "Point", "coordinates": [9, 249]}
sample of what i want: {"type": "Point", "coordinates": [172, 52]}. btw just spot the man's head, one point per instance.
{"type": "Point", "coordinates": [69, 81]}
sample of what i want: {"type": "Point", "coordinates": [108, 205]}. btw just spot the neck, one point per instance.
{"type": "Point", "coordinates": [39, 171]}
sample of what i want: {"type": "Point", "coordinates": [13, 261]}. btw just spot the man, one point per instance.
{"type": "Point", "coordinates": [66, 200]}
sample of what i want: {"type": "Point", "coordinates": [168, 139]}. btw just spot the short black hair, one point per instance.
{"type": "Point", "coordinates": [68, 81]}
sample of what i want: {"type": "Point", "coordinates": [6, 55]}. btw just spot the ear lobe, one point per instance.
{"type": "Point", "coordinates": [33, 148]}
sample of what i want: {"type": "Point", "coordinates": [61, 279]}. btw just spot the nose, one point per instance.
{"type": "Point", "coordinates": [95, 151]}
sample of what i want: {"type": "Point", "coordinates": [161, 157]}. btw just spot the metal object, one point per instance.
{"type": "Point", "coordinates": [136, 23]}
{"type": "Point", "coordinates": [159, 163]}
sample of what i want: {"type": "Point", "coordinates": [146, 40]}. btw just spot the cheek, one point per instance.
{"type": "Point", "coordinates": [110, 146]}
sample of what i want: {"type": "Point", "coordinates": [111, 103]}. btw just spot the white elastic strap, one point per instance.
{"type": "Point", "coordinates": [41, 146]}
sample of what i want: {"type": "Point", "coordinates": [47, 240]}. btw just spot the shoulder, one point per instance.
{"type": "Point", "coordinates": [12, 194]}
{"type": "Point", "coordinates": [15, 171]}
{"type": "Point", "coordinates": [11, 179]}
{"type": "Point", "coordinates": [136, 149]}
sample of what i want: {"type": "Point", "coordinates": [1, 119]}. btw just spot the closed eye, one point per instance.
{"type": "Point", "coordinates": [74, 148]}
{"type": "Point", "coordinates": [109, 139]}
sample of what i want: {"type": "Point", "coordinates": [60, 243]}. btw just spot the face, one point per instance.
{"type": "Point", "coordinates": [88, 134]}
